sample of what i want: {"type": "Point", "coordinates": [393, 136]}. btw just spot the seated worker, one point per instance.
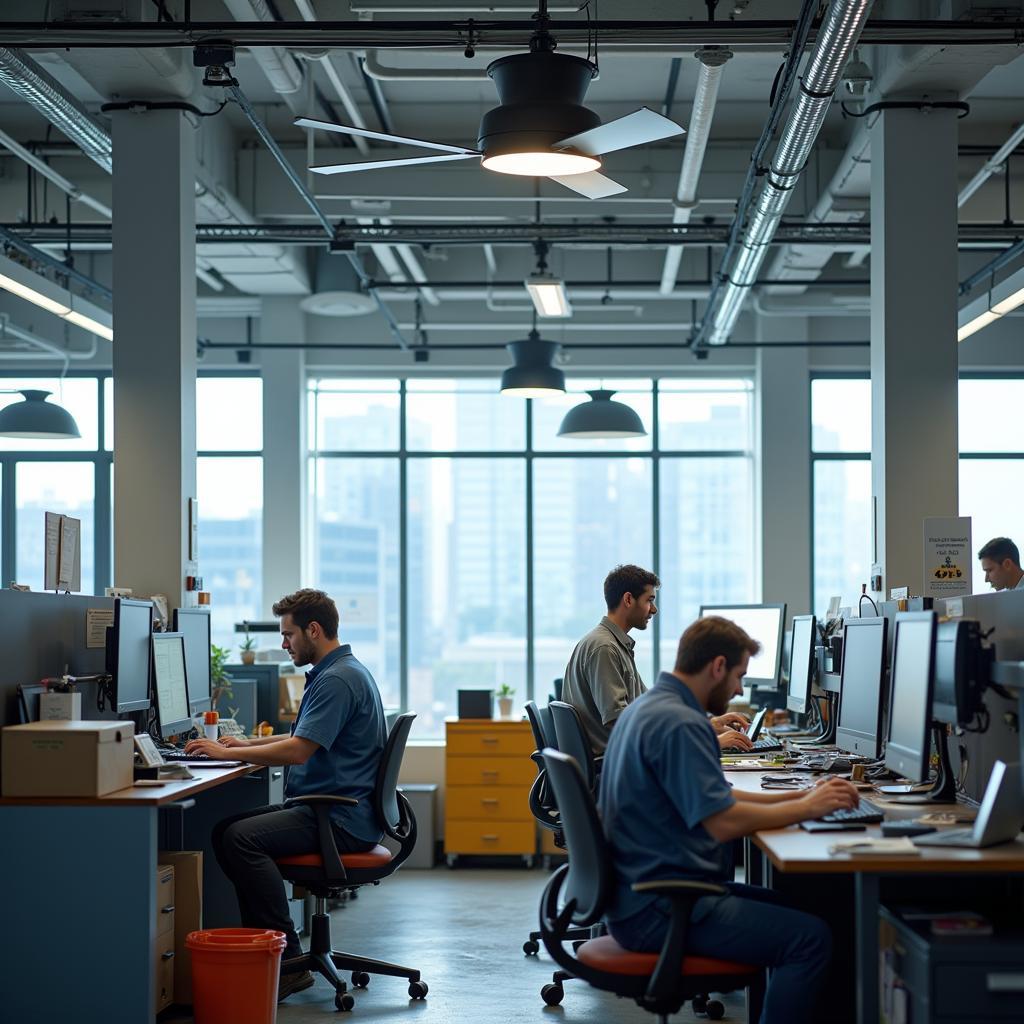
{"type": "Point", "coordinates": [335, 747]}
{"type": "Point", "coordinates": [1000, 561]}
{"type": "Point", "coordinates": [669, 812]}
{"type": "Point", "coordinates": [601, 678]}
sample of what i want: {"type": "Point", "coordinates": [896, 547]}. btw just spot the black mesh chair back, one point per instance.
{"type": "Point", "coordinates": [392, 815]}
{"type": "Point", "coordinates": [589, 870]}
{"type": "Point", "coordinates": [542, 725]}
{"type": "Point", "coordinates": [571, 738]}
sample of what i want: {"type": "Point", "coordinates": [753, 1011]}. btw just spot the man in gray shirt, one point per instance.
{"type": "Point", "coordinates": [601, 679]}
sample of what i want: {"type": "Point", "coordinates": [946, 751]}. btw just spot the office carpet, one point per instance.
{"type": "Point", "coordinates": [463, 929]}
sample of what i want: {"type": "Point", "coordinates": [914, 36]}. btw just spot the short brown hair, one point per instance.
{"type": "Point", "coordinates": [707, 639]}
{"type": "Point", "coordinates": [627, 579]}
{"type": "Point", "coordinates": [306, 606]}
{"type": "Point", "coordinates": [999, 549]}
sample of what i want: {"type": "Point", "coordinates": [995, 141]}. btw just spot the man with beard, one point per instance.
{"type": "Point", "coordinates": [601, 679]}
{"type": "Point", "coordinates": [335, 748]}
{"type": "Point", "coordinates": [669, 812]}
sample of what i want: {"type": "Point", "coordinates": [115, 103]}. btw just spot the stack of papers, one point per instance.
{"type": "Point", "coordinates": [882, 847]}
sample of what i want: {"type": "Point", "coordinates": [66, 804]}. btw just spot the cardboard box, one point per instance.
{"type": "Point", "coordinates": [290, 689]}
{"type": "Point", "coordinates": [59, 707]}
{"type": "Point", "coordinates": [81, 759]}
{"type": "Point", "coordinates": [188, 914]}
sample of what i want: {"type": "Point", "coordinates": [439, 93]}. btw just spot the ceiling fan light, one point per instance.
{"type": "Point", "coordinates": [601, 418]}
{"type": "Point", "coordinates": [541, 163]}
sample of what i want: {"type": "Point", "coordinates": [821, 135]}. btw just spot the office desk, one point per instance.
{"type": "Point", "coordinates": [79, 884]}
{"type": "Point", "coordinates": [795, 852]}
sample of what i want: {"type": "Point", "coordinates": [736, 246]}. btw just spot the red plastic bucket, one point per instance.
{"type": "Point", "coordinates": [235, 974]}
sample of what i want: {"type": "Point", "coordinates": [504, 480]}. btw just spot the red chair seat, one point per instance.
{"type": "Point", "coordinates": [605, 954]}
{"type": "Point", "coordinates": [378, 857]}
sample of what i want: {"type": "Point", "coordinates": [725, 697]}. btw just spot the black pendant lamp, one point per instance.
{"type": "Point", "coordinates": [531, 374]}
{"type": "Point", "coordinates": [35, 417]}
{"type": "Point", "coordinates": [601, 418]}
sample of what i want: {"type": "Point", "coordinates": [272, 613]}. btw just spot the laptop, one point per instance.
{"type": "Point", "coordinates": [999, 818]}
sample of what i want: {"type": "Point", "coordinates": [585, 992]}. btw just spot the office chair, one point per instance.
{"type": "Point", "coordinates": [327, 874]}
{"type": "Point", "coordinates": [572, 739]}
{"type": "Point", "coordinates": [576, 895]}
{"type": "Point", "coordinates": [542, 804]}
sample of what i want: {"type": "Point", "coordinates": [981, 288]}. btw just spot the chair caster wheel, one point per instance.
{"type": "Point", "coordinates": [715, 1010]}
{"type": "Point", "coordinates": [417, 990]}
{"type": "Point", "coordinates": [552, 994]}
{"type": "Point", "coordinates": [531, 948]}
{"type": "Point", "coordinates": [344, 1001]}
{"type": "Point", "coordinates": [699, 1004]}
{"type": "Point", "coordinates": [360, 979]}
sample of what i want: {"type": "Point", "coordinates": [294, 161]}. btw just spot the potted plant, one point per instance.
{"type": "Point", "coordinates": [505, 693]}
{"type": "Point", "coordinates": [248, 647]}
{"type": "Point", "coordinates": [219, 679]}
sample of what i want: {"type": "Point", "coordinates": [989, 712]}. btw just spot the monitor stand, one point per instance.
{"type": "Point", "coordinates": [944, 790]}
{"type": "Point", "coordinates": [827, 736]}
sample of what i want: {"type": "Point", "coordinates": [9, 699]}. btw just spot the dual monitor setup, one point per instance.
{"type": "Point", "coordinates": [173, 667]}
{"type": "Point", "coordinates": [936, 679]}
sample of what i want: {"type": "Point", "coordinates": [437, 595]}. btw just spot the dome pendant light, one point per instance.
{"type": "Point", "coordinates": [37, 418]}
{"type": "Point", "coordinates": [531, 374]}
{"type": "Point", "coordinates": [601, 418]}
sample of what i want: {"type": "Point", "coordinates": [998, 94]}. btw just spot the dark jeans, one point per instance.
{"type": "Point", "coordinates": [246, 846]}
{"type": "Point", "coordinates": [754, 926]}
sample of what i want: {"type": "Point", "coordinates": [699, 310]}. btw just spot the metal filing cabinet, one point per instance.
{"type": "Point", "coordinates": [488, 778]}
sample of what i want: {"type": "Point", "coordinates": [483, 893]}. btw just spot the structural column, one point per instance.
{"type": "Point", "coordinates": [284, 449]}
{"type": "Point", "coordinates": [913, 334]}
{"type": "Point", "coordinates": [154, 354]}
{"type": "Point", "coordinates": [785, 443]}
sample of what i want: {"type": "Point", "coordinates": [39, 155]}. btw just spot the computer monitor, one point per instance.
{"type": "Point", "coordinates": [194, 625]}
{"type": "Point", "coordinates": [859, 726]}
{"type": "Point", "coordinates": [910, 704]}
{"type": "Point", "coordinates": [171, 683]}
{"type": "Point", "coordinates": [129, 658]}
{"type": "Point", "coordinates": [763, 622]}
{"type": "Point", "coordinates": [801, 662]}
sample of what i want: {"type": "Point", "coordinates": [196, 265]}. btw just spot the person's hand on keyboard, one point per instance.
{"type": "Point", "coordinates": [730, 720]}
{"type": "Point", "coordinates": [830, 795]}
{"type": "Point", "coordinates": [733, 740]}
{"type": "Point", "coordinates": [212, 748]}
{"type": "Point", "coordinates": [233, 741]}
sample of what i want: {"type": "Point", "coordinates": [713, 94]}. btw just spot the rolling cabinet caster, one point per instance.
{"type": "Point", "coordinates": [715, 1010]}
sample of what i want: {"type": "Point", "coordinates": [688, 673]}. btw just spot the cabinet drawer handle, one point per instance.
{"type": "Point", "coordinates": [489, 739]}
{"type": "Point", "coordinates": [489, 801]}
{"type": "Point", "coordinates": [491, 838]}
{"type": "Point", "coordinates": [276, 775]}
{"type": "Point", "coordinates": [1005, 982]}
{"type": "Point", "coordinates": [169, 909]}
{"type": "Point", "coordinates": [167, 955]}
{"type": "Point", "coordinates": [489, 772]}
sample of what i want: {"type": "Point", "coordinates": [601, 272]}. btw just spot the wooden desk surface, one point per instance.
{"type": "Point", "coordinates": [142, 796]}
{"type": "Point", "coordinates": [793, 849]}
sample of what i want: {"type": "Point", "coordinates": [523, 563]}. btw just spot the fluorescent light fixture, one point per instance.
{"type": "Point", "coordinates": [541, 163]}
{"type": "Point", "coordinates": [46, 294]}
{"type": "Point", "coordinates": [549, 296]}
{"type": "Point", "coordinates": [1004, 298]}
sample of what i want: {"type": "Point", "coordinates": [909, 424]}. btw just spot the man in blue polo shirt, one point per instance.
{"type": "Point", "coordinates": [669, 812]}
{"type": "Point", "coordinates": [335, 748]}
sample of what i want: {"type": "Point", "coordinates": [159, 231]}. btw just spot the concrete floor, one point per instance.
{"type": "Point", "coordinates": [463, 929]}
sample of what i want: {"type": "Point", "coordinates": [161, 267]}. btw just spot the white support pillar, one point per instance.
{"type": "Point", "coordinates": [284, 450]}
{"type": "Point", "coordinates": [785, 443]}
{"type": "Point", "coordinates": [154, 354]}
{"type": "Point", "coordinates": [913, 334]}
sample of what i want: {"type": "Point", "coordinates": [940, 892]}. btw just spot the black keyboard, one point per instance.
{"type": "Point", "coordinates": [180, 755]}
{"type": "Point", "coordinates": [866, 813]}
{"type": "Point", "coordinates": [759, 747]}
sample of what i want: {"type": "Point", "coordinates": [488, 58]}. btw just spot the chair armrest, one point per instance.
{"type": "Point", "coordinates": [678, 887]}
{"type": "Point", "coordinates": [321, 799]}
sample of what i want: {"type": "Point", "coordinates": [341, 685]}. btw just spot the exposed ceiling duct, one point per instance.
{"type": "Point", "coordinates": [837, 37]}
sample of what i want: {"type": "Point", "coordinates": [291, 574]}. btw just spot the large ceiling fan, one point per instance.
{"type": "Point", "coordinates": [539, 129]}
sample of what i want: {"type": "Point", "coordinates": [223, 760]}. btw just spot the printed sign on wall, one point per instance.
{"type": "Point", "coordinates": [947, 556]}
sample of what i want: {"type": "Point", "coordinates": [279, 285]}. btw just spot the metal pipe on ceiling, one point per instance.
{"type": "Point", "coordinates": [279, 66]}
{"type": "Point", "coordinates": [712, 61]}
{"type": "Point", "coordinates": [991, 166]}
{"type": "Point", "coordinates": [843, 24]}
{"type": "Point", "coordinates": [383, 73]}
{"type": "Point", "coordinates": [477, 347]}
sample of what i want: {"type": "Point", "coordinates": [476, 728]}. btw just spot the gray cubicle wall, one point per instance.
{"type": "Point", "coordinates": [1003, 614]}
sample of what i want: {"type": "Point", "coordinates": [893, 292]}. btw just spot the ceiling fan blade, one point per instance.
{"type": "Point", "coordinates": [636, 129]}
{"type": "Point", "coordinates": [592, 185]}
{"type": "Point", "coordinates": [344, 129]}
{"type": "Point", "coordinates": [384, 164]}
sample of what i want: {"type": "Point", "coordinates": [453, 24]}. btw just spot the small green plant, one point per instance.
{"type": "Point", "coordinates": [248, 643]}
{"type": "Point", "coordinates": [505, 691]}
{"type": "Point", "coordinates": [219, 679]}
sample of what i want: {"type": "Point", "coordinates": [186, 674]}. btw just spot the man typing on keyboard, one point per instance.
{"type": "Point", "coordinates": [669, 813]}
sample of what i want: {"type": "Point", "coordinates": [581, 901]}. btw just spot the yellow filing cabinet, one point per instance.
{"type": "Point", "coordinates": [488, 778]}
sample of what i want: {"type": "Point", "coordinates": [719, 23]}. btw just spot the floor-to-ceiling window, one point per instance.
{"type": "Point", "coordinates": [466, 543]}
